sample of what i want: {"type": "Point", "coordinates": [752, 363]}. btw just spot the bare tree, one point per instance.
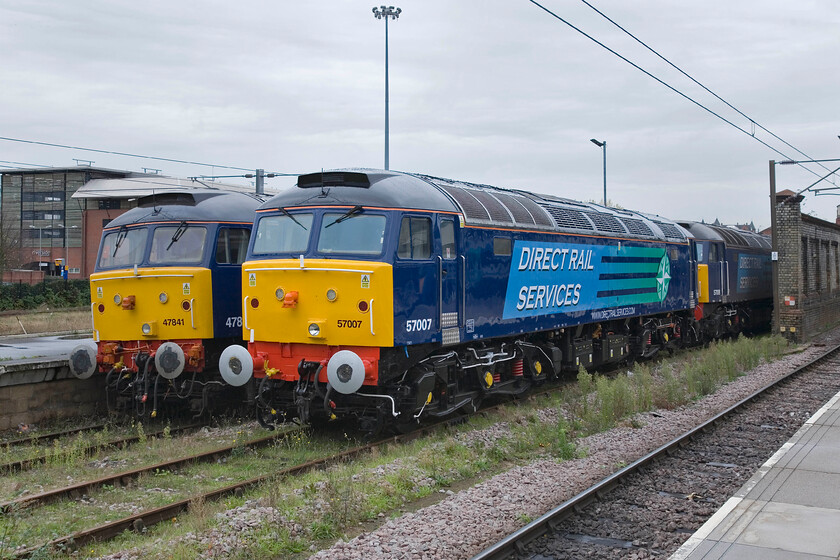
{"type": "Point", "coordinates": [10, 247]}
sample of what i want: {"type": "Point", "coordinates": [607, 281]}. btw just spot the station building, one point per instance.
{"type": "Point", "coordinates": [52, 218]}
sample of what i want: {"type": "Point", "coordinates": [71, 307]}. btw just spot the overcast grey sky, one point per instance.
{"type": "Point", "coordinates": [493, 91]}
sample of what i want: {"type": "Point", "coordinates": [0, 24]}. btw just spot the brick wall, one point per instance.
{"type": "Point", "coordinates": [809, 270]}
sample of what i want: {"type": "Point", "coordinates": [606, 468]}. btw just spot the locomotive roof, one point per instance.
{"type": "Point", "coordinates": [732, 236]}
{"type": "Point", "coordinates": [482, 205]}
{"type": "Point", "coordinates": [198, 205]}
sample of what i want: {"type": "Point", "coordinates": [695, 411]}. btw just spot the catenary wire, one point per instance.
{"type": "Point", "coordinates": [681, 71]}
{"type": "Point", "coordinates": [672, 88]}
{"type": "Point", "coordinates": [22, 163]}
{"type": "Point", "coordinates": [134, 155]}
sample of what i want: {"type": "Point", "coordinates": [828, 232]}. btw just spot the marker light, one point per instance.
{"type": "Point", "coordinates": [331, 295]}
{"type": "Point", "coordinates": [280, 293]}
{"type": "Point", "coordinates": [255, 303]}
{"type": "Point", "coordinates": [117, 299]}
{"type": "Point", "coordinates": [162, 297]}
{"type": "Point", "coordinates": [185, 305]}
{"type": "Point", "coordinates": [363, 306]}
{"type": "Point", "coordinates": [147, 328]}
{"type": "Point", "coordinates": [314, 329]}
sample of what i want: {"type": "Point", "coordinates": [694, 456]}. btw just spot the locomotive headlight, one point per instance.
{"type": "Point", "coordinates": [331, 295]}
{"type": "Point", "coordinates": [314, 330]}
{"type": "Point", "coordinates": [162, 297]}
{"type": "Point", "coordinates": [149, 329]}
{"type": "Point", "coordinates": [280, 293]}
{"type": "Point", "coordinates": [117, 299]}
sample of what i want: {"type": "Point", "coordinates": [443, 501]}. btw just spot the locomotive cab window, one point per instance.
{"type": "Point", "coordinates": [714, 255]}
{"type": "Point", "coordinates": [283, 234]}
{"type": "Point", "coordinates": [178, 244]}
{"type": "Point", "coordinates": [415, 238]}
{"type": "Point", "coordinates": [352, 233]}
{"type": "Point", "coordinates": [447, 238]}
{"type": "Point", "coordinates": [231, 245]}
{"type": "Point", "coordinates": [123, 248]}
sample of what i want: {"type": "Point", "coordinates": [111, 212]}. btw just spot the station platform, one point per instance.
{"type": "Point", "coordinates": [790, 508]}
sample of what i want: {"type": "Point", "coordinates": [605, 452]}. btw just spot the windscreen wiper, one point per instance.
{"type": "Point", "coordinates": [121, 235]}
{"type": "Point", "coordinates": [177, 235]}
{"type": "Point", "coordinates": [286, 213]}
{"type": "Point", "coordinates": [350, 213]}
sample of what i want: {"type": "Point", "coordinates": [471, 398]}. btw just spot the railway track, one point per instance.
{"type": "Point", "coordinates": [126, 477]}
{"type": "Point", "coordinates": [116, 443]}
{"type": "Point", "coordinates": [50, 436]}
{"type": "Point", "coordinates": [141, 520]}
{"type": "Point", "coordinates": [649, 508]}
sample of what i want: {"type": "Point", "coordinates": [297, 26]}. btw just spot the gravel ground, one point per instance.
{"type": "Point", "coordinates": [466, 522]}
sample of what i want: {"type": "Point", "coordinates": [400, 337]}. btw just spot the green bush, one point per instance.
{"type": "Point", "coordinates": [53, 293]}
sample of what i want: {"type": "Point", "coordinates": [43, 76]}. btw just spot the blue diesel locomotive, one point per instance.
{"type": "Point", "coordinates": [165, 299]}
{"type": "Point", "coordinates": [388, 297]}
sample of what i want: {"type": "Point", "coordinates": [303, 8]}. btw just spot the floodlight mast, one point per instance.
{"type": "Point", "coordinates": [386, 13]}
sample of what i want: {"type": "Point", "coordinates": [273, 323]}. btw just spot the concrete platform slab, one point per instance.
{"type": "Point", "coordinates": [789, 509]}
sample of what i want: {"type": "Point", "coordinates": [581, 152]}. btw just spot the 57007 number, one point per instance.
{"type": "Point", "coordinates": [417, 325]}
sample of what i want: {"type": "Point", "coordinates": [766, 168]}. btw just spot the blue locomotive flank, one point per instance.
{"type": "Point", "coordinates": [493, 291]}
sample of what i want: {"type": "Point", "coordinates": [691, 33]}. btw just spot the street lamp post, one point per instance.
{"type": "Point", "coordinates": [603, 145]}
{"type": "Point", "coordinates": [40, 263]}
{"type": "Point", "coordinates": [66, 255]}
{"type": "Point", "coordinates": [386, 12]}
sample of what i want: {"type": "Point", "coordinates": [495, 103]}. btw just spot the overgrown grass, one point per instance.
{"type": "Point", "coordinates": [604, 401]}
{"type": "Point", "coordinates": [77, 320]}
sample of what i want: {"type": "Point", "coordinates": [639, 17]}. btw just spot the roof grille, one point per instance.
{"type": "Point", "coordinates": [571, 219]}
{"type": "Point", "coordinates": [473, 209]}
{"type": "Point", "coordinates": [670, 230]}
{"type": "Point", "coordinates": [539, 213]}
{"type": "Point", "coordinates": [520, 213]}
{"type": "Point", "coordinates": [731, 237]}
{"type": "Point", "coordinates": [498, 213]}
{"type": "Point", "coordinates": [606, 222]}
{"type": "Point", "coordinates": [637, 227]}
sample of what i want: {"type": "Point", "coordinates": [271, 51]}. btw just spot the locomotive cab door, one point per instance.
{"type": "Point", "coordinates": [717, 276]}
{"type": "Point", "coordinates": [450, 281]}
